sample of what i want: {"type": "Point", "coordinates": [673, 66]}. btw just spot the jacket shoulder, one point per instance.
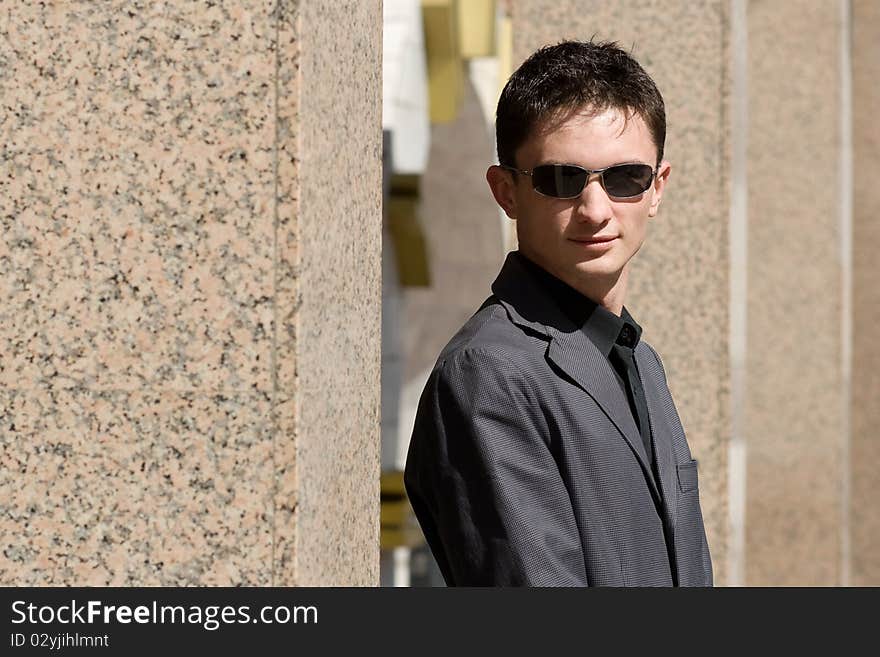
{"type": "Point", "coordinates": [491, 333]}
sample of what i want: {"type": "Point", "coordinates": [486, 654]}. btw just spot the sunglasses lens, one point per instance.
{"type": "Point", "coordinates": [627, 179]}
{"type": "Point", "coordinates": [559, 180]}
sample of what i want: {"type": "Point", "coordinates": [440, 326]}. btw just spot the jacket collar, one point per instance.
{"type": "Point", "coordinates": [529, 306]}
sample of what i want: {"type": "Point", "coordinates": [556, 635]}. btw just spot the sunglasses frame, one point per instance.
{"type": "Point", "coordinates": [589, 173]}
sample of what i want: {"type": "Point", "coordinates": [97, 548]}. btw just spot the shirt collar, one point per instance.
{"type": "Point", "coordinates": [600, 325]}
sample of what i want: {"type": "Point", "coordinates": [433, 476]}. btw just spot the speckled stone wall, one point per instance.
{"type": "Point", "coordinates": [679, 282]}
{"type": "Point", "coordinates": [335, 372]}
{"type": "Point", "coordinates": [865, 452]}
{"type": "Point", "coordinates": [190, 274]}
{"type": "Point", "coordinates": [794, 399]}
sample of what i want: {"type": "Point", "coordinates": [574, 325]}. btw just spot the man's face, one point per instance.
{"type": "Point", "coordinates": [557, 233]}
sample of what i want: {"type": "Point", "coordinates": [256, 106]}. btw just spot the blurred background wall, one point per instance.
{"type": "Point", "coordinates": [757, 284]}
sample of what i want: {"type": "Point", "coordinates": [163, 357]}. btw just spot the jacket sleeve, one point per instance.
{"type": "Point", "coordinates": [483, 482]}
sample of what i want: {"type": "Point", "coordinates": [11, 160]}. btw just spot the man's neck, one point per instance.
{"type": "Point", "coordinates": [608, 292]}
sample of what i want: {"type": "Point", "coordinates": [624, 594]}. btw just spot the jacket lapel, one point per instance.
{"type": "Point", "coordinates": [572, 352]}
{"type": "Point", "coordinates": [579, 358]}
{"type": "Point", "coordinates": [651, 378]}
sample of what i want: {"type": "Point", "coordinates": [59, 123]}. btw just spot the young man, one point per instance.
{"type": "Point", "coordinates": [547, 450]}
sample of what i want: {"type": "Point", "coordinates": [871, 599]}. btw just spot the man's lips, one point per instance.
{"type": "Point", "coordinates": [594, 240]}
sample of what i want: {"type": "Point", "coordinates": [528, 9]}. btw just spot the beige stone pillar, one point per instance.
{"type": "Point", "coordinates": [190, 275]}
{"type": "Point", "coordinates": [865, 453]}
{"type": "Point", "coordinates": [795, 409]}
{"type": "Point", "coordinates": [680, 278]}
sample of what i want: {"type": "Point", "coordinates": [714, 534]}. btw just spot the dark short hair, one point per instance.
{"type": "Point", "coordinates": [559, 79]}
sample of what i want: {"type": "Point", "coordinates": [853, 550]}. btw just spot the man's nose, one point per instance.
{"type": "Point", "coordinates": [594, 206]}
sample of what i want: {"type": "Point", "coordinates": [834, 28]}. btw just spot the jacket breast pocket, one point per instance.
{"type": "Point", "coordinates": [687, 476]}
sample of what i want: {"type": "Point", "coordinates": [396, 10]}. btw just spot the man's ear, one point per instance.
{"type": "Point", "coordinates": [501, 183]}
{"type": "Point", "coordinates": [659, 185]}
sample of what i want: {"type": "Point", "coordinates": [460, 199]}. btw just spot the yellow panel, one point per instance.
{"type": "Point", "coordinates": [398, 524]}
{"type": "Point", "coordinates": [407, 235]}
{"type": "Point", "coordinates": [505, 51]}
{"type": "Point", "coordinates": [395, 513]}
{"type": "Point", "coordinates": [444, 62]}
{"type": "Point", "coordinates": [391, 483]}
{"type": "Point", "coordinates": [476, 27]}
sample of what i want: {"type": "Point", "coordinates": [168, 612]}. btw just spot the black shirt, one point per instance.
{"type": "Point", "coordinates": [615, 337]}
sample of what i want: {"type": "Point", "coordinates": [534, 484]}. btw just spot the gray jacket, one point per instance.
{"type": "Point", "coordinates": [526, 467]}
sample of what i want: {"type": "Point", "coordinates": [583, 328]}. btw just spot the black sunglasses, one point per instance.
{"type": "Point", "coordinates": [569, 180]}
